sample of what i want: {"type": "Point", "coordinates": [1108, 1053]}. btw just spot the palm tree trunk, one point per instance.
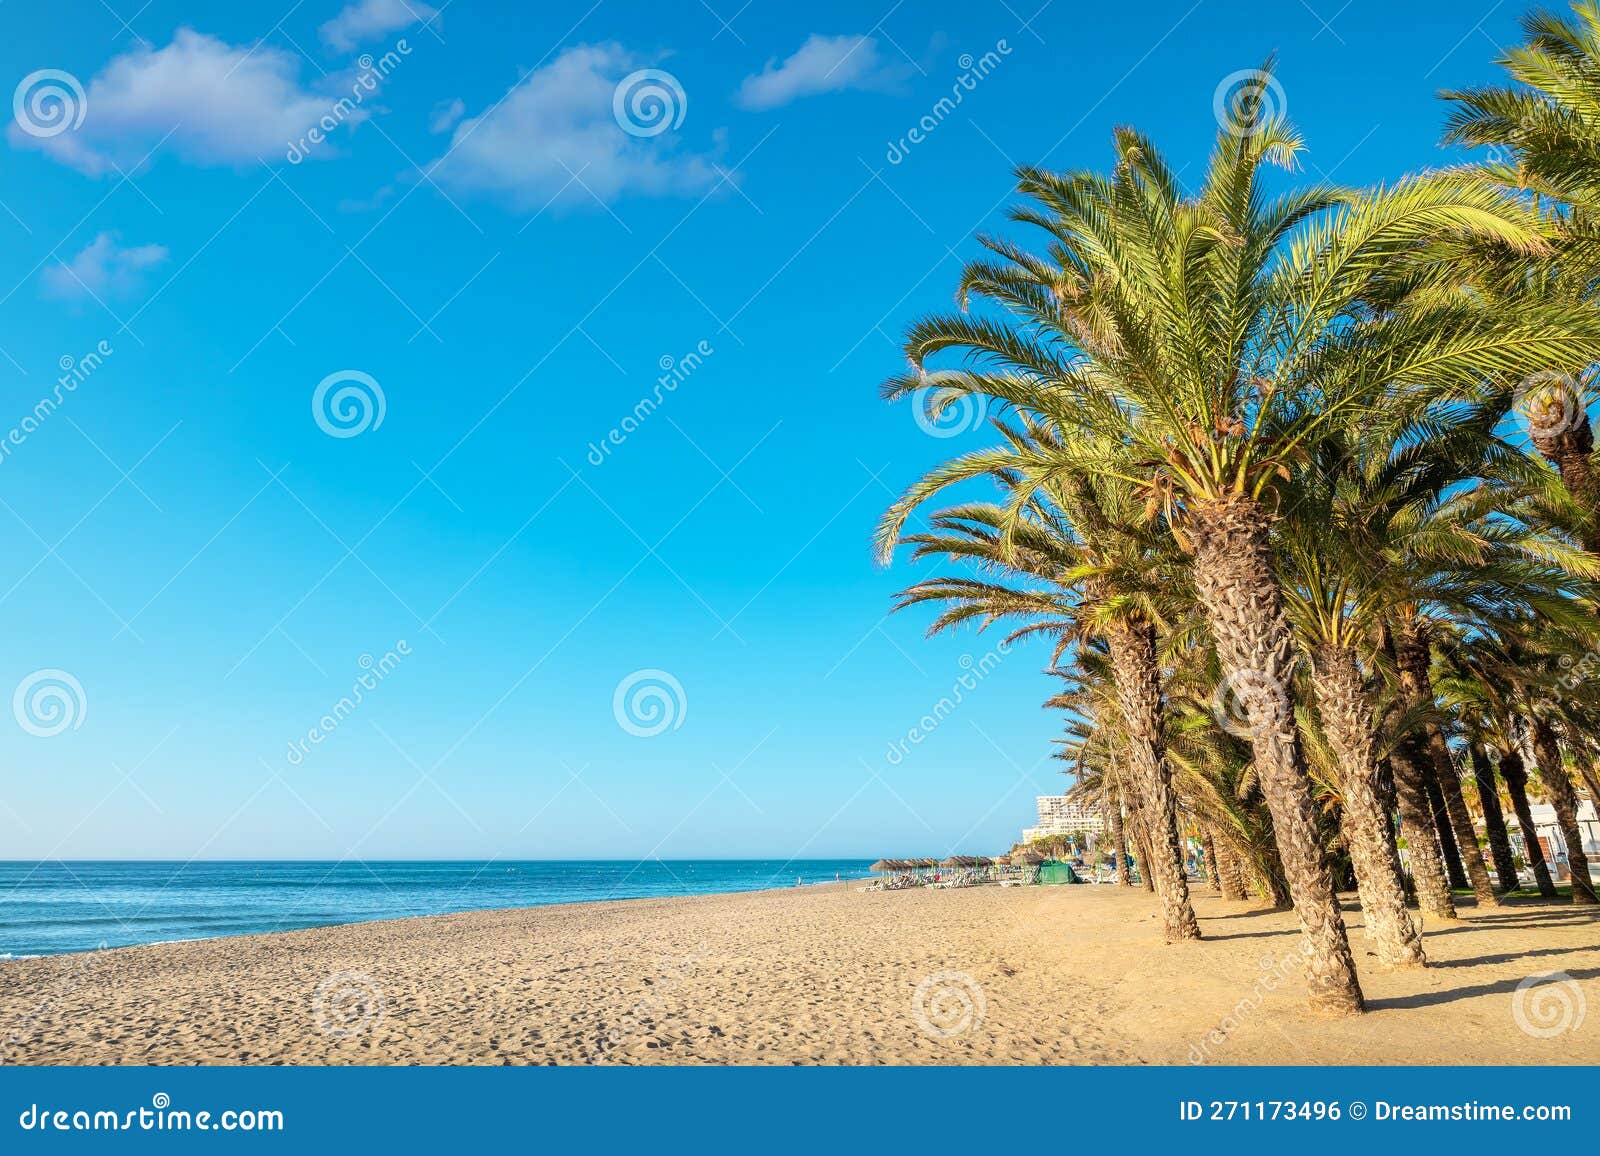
{"type": "Point", "coordinates": [1571, 452]}
{"type": "Point", "coordinates": [1591, 782]}
{"type": "Point", "coordinates": [1348, 721]}
{"type": "Point", "coordinates": [1213, 873]}
{"type": "Point", "coordinates": [1141, 842]}
{"type": "Point", "coordinates": [1138, 685]}
{"type": "Point", "coordinates": [1448, 850]}
{"type": "Point", "coordinates": [1412, 653]}
{"type": "Point", "coordinates": [1119, 844]}
{"type": "Point", "coordinates": [1273, 887]}
{"type": "Point", "coordinates": [1494, 820]}
{"type": "Point", "coordinates": [1455, 804]}
{"type": "Point", "coordinates": [1558, 785]}
{"type": "Point", "coordinates": [1228, 874]}
{"type": "Point", "coordinates": [1513, 771]}
{"type": "Point", "coordinates": [1421, 835]}
{"type": "Point", "coordinates": [1243, 602]}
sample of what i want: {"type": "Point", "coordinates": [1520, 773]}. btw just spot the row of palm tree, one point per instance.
{"type": "Point", "coordinates": [1261, 473]}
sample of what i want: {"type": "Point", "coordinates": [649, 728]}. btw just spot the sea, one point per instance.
{"type": "Point", "coordinates": [47, 908]}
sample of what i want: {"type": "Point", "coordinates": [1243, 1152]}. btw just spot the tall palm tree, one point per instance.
{"type": "Point", "coordinates": [1209, 341]}
{"type": "Point", "coordinates": [1081, 540]}
{"type": "Point", "coordinates": [1544, 130]}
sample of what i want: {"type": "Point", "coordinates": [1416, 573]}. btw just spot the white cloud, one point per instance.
{"type": "Point", "coordinates": [102, 269]}
{"type": "Point", "coordinates": [367, 19]}
{"type": "Point", "coordinates": [557, 122]}
{"type": "Point", "coordinates": [445, 114]}
{"type": "Point", "coordinates": [210, 102]}
{"type": "Point", "coordinates": [821, 64]}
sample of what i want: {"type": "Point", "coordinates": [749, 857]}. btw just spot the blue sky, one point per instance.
{"type": "Point", "coordinates": [509, 253]}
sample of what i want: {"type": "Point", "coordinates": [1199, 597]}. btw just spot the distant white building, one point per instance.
{"type": "Point", "coordinates": [1553, 842]}
{"type": "Point", "coordinates": [1058, 815]}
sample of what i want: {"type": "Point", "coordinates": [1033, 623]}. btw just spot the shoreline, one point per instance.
{"type": "Point", "coordinates": [53, 908]}
{"type": "Point", "coordinates": [6, 958]}
{"type": "Point", "coordinates": [817, 974]}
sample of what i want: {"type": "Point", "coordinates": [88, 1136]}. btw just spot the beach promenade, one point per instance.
{"type": "Point", "coordinates": [826, 974]}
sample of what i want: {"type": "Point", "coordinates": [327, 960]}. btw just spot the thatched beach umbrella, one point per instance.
{"type": "Point", "coordinates": [883, 865]}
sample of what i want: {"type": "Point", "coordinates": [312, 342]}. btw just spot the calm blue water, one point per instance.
{"type": "Point", "coordinates": [46, 908]}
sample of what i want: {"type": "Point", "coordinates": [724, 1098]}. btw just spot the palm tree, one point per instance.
{"type": "Point", "coordinates": [1080, 541]}
{"type": "Point", "coordinates": [1413, 659]}
{"type": "Point", "coordinates": [1522, 662]}
{"type": "Point", "coordinates": [1546, 132]}
{"type": "Point", "coordinates": [1494, 821]}
{"type": "Point", "coordinates": [1209, 341]}
{"type": "Point", "coordinates": [1514, 771]}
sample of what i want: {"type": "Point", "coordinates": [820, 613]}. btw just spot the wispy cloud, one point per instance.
{"type": "Point", "coordinates": [206, 100]}
{"type": "Point", "coordinates": [367, 19]}
{"type": "Point", "coordinates": [822, 64]}
{"type": "Point", "coordinates": [555, 137]}
{"type": "Point", "coordinates": [104, 268]}
{"type": "Point", "coordinates": [445, 114]}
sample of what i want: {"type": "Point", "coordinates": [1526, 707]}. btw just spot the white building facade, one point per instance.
{"type": "Point", "coordinates": [1058, 815]}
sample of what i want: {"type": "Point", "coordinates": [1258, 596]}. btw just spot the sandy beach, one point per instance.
{"type": "Point", "coordinates": [817, 975]}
